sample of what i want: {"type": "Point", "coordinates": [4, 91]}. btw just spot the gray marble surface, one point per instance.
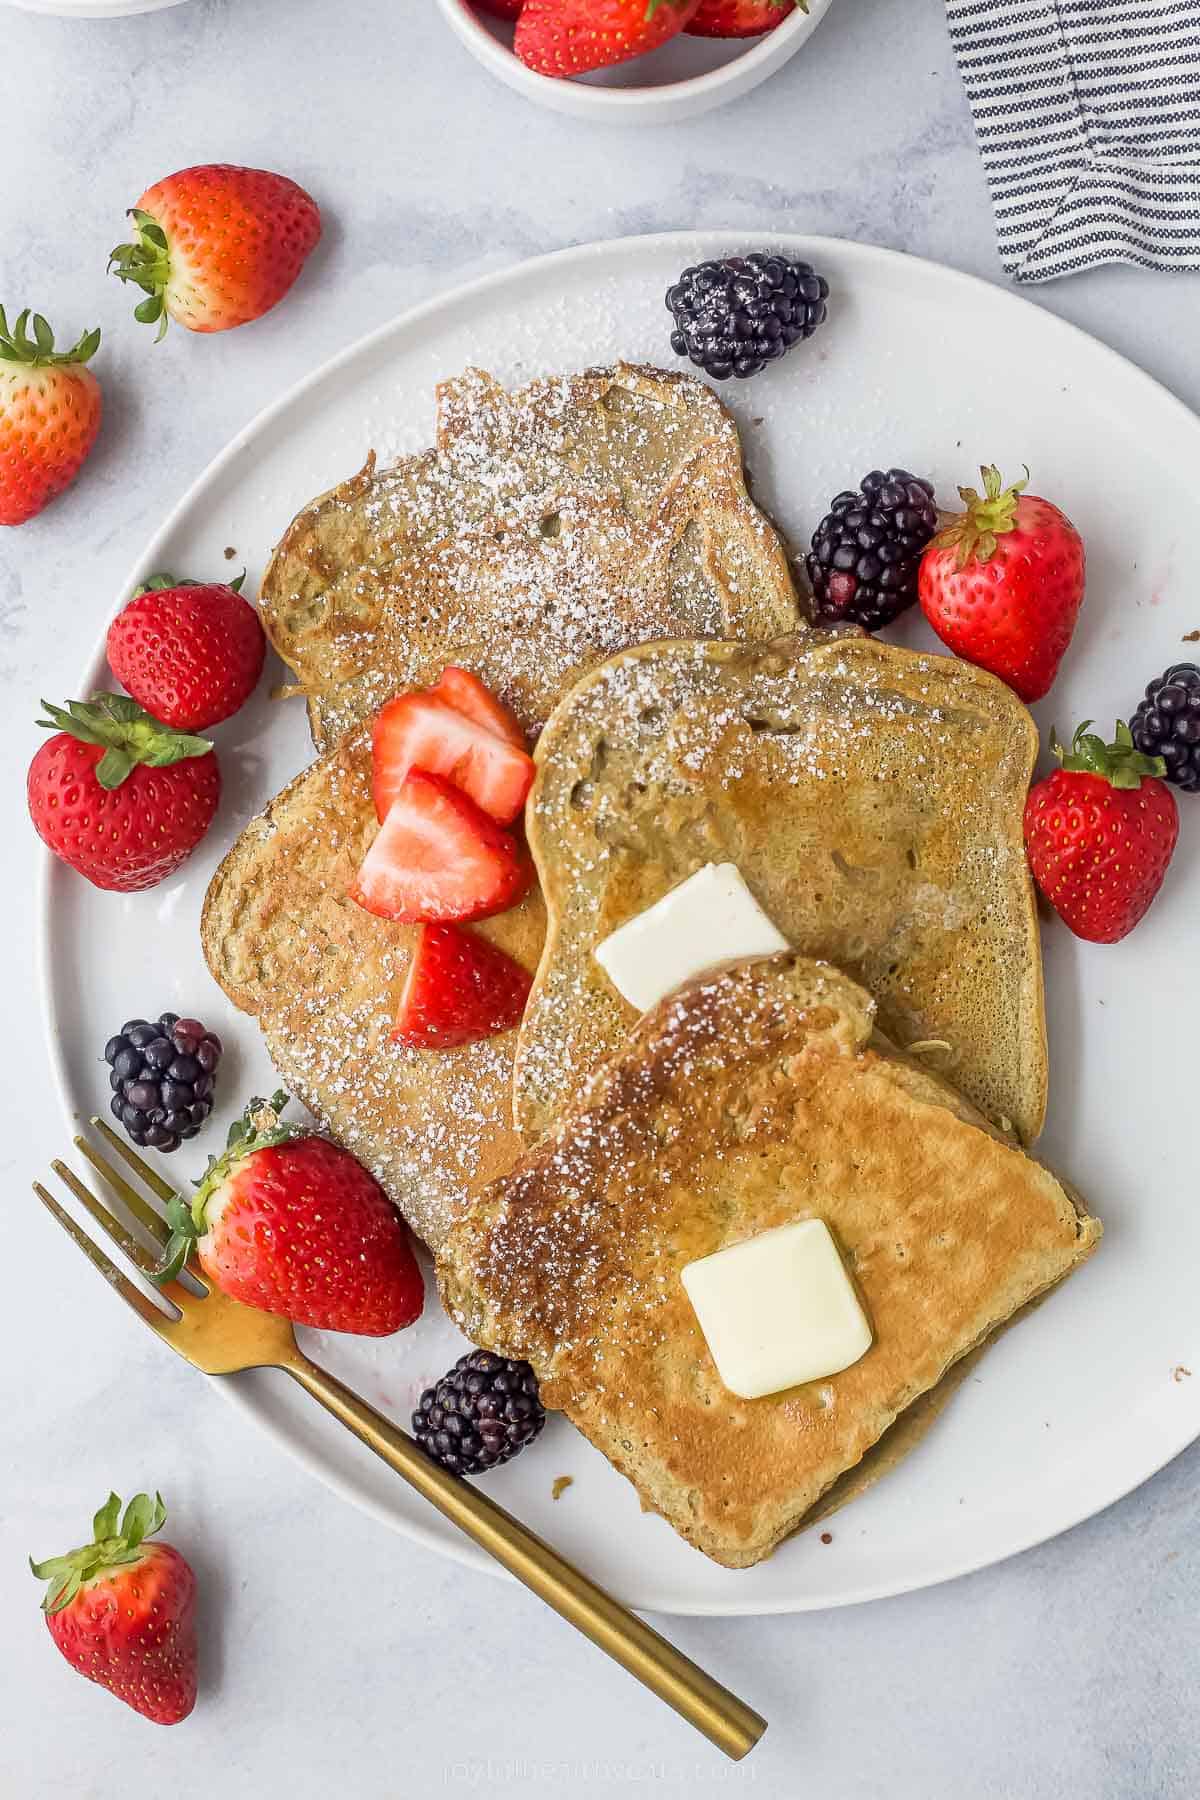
{"type": "Point", "coordinates": [339, 1659]}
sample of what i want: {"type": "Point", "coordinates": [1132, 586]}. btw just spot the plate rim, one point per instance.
{"type": "Point", "coordinates": [234, 1389]}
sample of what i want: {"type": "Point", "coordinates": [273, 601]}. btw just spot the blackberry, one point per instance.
{"type": "Point", "coordinates": [1167, 724]}
{"type": "Point", "coordinates": [162, 1077]}
{"type": "Point", "coordinates": [479, 1414]}
{"type": "Point", "coordinates": [736, 316]}
{"type": "Point", "coordinates": [867, 549]}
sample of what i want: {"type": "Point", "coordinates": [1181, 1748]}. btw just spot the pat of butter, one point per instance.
{"type": "Point", "coordinates": [710, 918]}
{"type": "Point", "coordinates": [778, 1309]}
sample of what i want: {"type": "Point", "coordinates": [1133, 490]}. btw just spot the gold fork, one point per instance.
{"type": "Point", "coordinates": [220, 1337]}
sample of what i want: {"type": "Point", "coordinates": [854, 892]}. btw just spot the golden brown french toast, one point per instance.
{"type": "Point", "coordinates": [549, 527]}
{"type": "Point", "coordinates": [750, 1098]}
{"type": "Point", "coordinates": [870, 796]}
{"type": "Point", "coordinates": [323, 979]}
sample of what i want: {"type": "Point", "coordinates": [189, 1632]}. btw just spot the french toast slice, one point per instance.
{"type": "Point", "coordinates": [754, 1096]}
{"type": "Point", "coordinates": [549, 527]}
{"type": "Point", "coordinates": [323, 979]}
{"type": "Point", "coordinates": [871, 797]}
{"type": "Point", "coordinates": [450, 558]}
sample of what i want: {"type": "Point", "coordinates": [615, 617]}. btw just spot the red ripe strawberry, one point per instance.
{"type": "Point", "coordinates": [1100, 832]}
{"type": "Point", "coordinates": [422, 732]}
{"type": "Point", "coordinates": [568, 37]}
{"type": "Point", "coordinates": [122, 1611]}
{"type": "Point", "coordinates": [459, 988]}
{"type": "Point", "coordinates": [190, 652]}
{"type": "Point", "coordinates": [117, 795]}
{"type": "Point", "coordinates": [49, 415]}
{"type": "Point", "coordinates": [438, 858]}
{"type": "Point", "coordinates": [741, 18]}
{"type": "Point", "coordinates": [1003, 583]}
{"type": "Point", "coordinates": [501, 9]}
{"type": "Point", "coordinates": [290, 1223]}
{"type": "Point", "coordinates": [465, 692]}
{"type": "Point", "coordinates": [217, 246]}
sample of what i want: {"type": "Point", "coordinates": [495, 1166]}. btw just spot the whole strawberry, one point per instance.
{"type": "Point", "coordinates": [501, 9]}
{"type": "Point", "coordinates": [217, 246]}
{"type": "Point", "coordinates": [568, 37]}
{"type": "Point", "coordinates": [1002, 584]}
{"type": "Point", "coordinates": [741, 18]}
{"type": "Point", "coordinates": [1100, 832]}
{"type": "Point", "coordinates": [288, 1222]}
{"type": "Point", "coordinates": [190, 652]}
{"type": "Point", "coordinates": [122, 1611]}
{"type": "Point", "coordinates": [120, 797]}
{"type": "Point", "coordinates": [49, 415]}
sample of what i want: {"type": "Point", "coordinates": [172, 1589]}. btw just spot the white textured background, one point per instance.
{"type": "Point", "coordinates": [338, 1659]}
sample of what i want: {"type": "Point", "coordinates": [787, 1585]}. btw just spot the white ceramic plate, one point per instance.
{"type": "Point", "coordinates": [918, 366]}
{"type": "Point", "coordinates": [685, 76]}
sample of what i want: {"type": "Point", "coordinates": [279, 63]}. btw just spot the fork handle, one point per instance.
{"type": "Point", "coordinates": [724, 1719]}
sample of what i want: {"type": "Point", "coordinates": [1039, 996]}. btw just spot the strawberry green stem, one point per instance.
{"type": "Point", "coordinates": [38, 352]}
{"type": "Point", "coordinates": [1120, 763]}
{"type": "Point", "coordinates": [162, 582]}
{"type": "Point", "coordinates": [988, 516]}
{"type": "Point", "coordinates": [147, 263]}
{"type": "Point", "coordinates": [126, 732]}
{"type": "Point", "coordinates": [113, 1546]}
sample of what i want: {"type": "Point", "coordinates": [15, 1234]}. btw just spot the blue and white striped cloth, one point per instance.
{"type": "Point", "coordinates": [1088, 119]}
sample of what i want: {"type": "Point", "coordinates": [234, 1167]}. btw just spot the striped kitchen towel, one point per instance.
{"type": "Point", "coordinates": [1088, 119]}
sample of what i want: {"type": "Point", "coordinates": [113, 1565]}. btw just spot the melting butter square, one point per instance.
{"type": "Point", "coordinates": [777, 1309]}
{"type": "Point", "coordinates": [709, 919]}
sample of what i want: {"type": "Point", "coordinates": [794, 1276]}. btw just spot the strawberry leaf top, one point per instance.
{"type": "Point", "coordinates": [38, 352]}
{"type": "Point", "coordinates": [125, 731]}
{"type": "Point", "coordinates": [259, 1128]}
{"type": "Point", "coordinates": [147, 263]}
{"type": "Point", "coordinates": [988, 516]}
{"type": "Point", "coordinates": [164, 583]}
{"type": "Point", "coordinates": [1120, 763]}
{"type": "Point", "coordinates": [113, 1546]}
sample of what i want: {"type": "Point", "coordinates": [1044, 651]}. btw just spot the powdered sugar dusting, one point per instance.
{"type": "Point", "coordinates": [870, 797]}
{"type": "Point", "coordinates": [547, 529]}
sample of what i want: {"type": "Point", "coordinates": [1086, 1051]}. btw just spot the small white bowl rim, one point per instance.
{"type": "Point", "coordinates": [91, 9]}
{"type": "Point", "coordinates": [773, 46]}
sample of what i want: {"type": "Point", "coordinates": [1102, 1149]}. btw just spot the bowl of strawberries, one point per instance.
{"type": "Point", "coordinates": [644, 62]}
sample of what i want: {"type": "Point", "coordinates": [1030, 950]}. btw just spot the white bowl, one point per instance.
{"type": "Point", "coordinates": [688, 75]}
{"type": "Point", "coordinates": [93, 9]}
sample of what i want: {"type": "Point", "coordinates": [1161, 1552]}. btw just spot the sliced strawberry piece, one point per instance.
{"type": "Point", "coordinates": [467, 695]}
{"type": "Point", "coordinates": [417, 731]}
{"type": "Point", "coordinates": [439, 857]}
{"type": "Point", "coordinates": [459, 988]}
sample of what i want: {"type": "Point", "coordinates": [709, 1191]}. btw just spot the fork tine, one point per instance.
{"type": "Point", "coordinates": [141, 1209]}
{"type": "Point", "coordinates": [133, 1295]}
{"type": "Point", "coordinates": [151, 1177]}
{"type": "Point", "coordinates": [142, 1258]}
